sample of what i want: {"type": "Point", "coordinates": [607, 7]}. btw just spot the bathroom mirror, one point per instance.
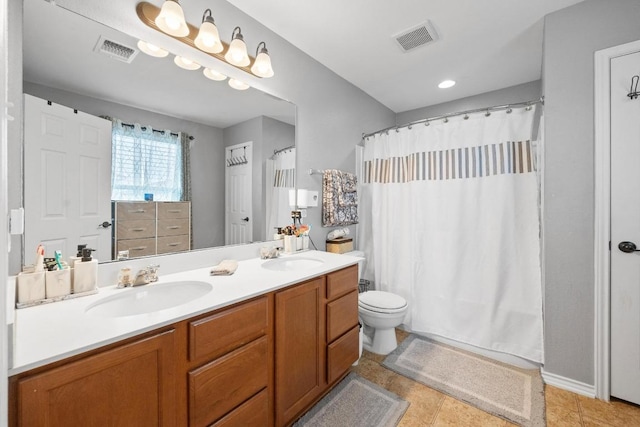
{"type": "Point", "coordinates": [63, 64]}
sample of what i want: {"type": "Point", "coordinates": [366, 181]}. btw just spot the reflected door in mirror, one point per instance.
{"type": "Point", "coordinates": [67, 185]}
{"type": "Point", "coordinates": [238, 227]}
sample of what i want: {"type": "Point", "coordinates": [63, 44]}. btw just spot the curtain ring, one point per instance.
{"type": "Point", "coordinates": [446, 120]}
{"type": "Point", "coordinates": [487, 114]}
{"type": "Point", "coordinates": [466, 117]}
{"type": "Point", "coordinates": [509, 110]}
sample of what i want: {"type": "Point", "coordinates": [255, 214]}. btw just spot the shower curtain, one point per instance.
{"type": "Point", "coordinates": [449, 220]}
{"type": "Point", "coordinates": [281, 176]}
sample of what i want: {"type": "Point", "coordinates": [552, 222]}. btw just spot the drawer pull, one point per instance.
{"type": "Point", "coordinates": [138, 229]}
{"type": "Point", "coordinates": [173, 244]}
{"type": "Point", "coordinates": [173, 227]}
{"type": "Point", "coordinates": [139, 248]}
{"type": "Point", "coordinates": [137, 211]}
{"type": "Point", "coordinates": [174, 210]}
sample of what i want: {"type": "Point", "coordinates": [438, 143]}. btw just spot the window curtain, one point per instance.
{"type": "Point", "coordinates": [146, 161]}
{"type": "Point", "coordinates": [281, 176]}
{"type": "Point", "coordinates": [449, 220]}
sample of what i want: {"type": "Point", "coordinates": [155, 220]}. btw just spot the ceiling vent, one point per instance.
{"type": "Point", "coordinates": [420, 35]}
{"type": "Point", "coordinates": [115, 50]}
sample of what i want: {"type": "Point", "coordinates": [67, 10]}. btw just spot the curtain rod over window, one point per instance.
{"type": "Point", "coordinates": [191, 138]}
{"type": "Point", "coordinates": [445, 117]}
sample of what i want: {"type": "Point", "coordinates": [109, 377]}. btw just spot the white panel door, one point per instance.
{"type": "Point", "coordinates": [625, 231]}
{"type": "Point", "coordinates": [238, 210]}
{"type": "Point", "coordinates": [67, 184]}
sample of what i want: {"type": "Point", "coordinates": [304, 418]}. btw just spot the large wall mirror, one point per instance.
{"type": "Point", "coordinates": [63, 64]}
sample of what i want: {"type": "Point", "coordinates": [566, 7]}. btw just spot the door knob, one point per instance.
{"type": "Point", "coordinates": [628, 247]}
{"type": "Point", "coordinates": [105, 224]}
{"type": "Point", "coordinates": [245, 219]}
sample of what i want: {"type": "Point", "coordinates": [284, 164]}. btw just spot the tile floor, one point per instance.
{"type": "Point", "coordinates": [432, 408]}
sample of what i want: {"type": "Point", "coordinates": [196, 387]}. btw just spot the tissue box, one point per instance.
{"type": "Point", "coordinates": [340, 246]}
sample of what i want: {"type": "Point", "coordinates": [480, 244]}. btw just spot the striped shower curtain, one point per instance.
{"type": "Point", "coordinates": [449, 220]}
{"type": "Point", "coordinates": [280, 178]}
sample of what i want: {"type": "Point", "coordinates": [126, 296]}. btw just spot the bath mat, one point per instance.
{"type": "Point", "coordinates": [514, 394]}
{"type": "Point", "coordinates": [355, 402]}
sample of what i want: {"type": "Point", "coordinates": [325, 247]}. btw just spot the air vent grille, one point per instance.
{"type": "Point", "coordinates": [115, 50]}
{"type": "Point", "coordinates": [417, 36]}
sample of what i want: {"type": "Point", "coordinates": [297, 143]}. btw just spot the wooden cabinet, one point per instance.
{"type": "Point", "coordinates": [316, 340]}
{"type": "Point", "coordinates": [300, 375]}
{"type": "Point", "coordinates": [150, 228]}
{"type": "Point", "coordinates": [261, 362]}
{"type": "Point", "coordinates": [130, 385]}
{"type": "Point", "coordinates": [232, 354]}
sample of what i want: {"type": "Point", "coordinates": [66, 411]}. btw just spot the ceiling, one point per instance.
{"type": "Point", "coordinates": [484, 45]}
{"type": "Point", "coordinates": [58, 52]}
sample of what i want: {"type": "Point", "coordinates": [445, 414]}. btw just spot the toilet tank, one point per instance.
{"type": "Point", "coordinates": [358, 254]}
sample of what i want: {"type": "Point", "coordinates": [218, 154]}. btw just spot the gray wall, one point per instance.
{"type": "Point", "coordinates": [207, 156]}
{"type": "Point", "coordinates": [525, 92]}
{"type": "Point", "coordinates": [571, 37]}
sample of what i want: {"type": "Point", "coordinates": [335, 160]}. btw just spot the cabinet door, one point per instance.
{"type": "Point", "coordinates": [131, 385]}
{"type": "Point", "coordinates": [300, 355]}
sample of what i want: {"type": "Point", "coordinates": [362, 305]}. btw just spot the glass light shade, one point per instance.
{"type": "Point", "coordinates": [152, 49]}
{"type": "Point", "coordinates": [185, 63]}
{"type": "Point", "coordinates": [208, 39]}
{"type": "Point", "coordinates": [262, 65]}
{"type": "Point", "coordinates": [237, 53]}
{"type": "Point", "coordinates": [213, 75]}
{"type": "Point", "coordinates": [171, 19]}
{"type": "Point", "coordinates": [238, 85]}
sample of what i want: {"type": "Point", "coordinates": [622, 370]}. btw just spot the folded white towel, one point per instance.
{"type": "Point", "coordinates": [226, 268]}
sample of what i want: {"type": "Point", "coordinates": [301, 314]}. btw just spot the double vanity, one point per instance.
{"type": "Point", "coordinates": [259, 347]}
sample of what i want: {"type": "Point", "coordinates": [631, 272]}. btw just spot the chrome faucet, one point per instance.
{"type": "Point", "coordinates": [142, 278]}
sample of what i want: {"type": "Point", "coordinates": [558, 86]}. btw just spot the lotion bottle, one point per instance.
{"type": "Point", "coordinates": [85, 277]}
{"type": "Point", "coordinates": [73, 259]}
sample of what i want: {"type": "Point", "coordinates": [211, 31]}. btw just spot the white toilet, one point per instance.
{"type": "Point", "coordinates": [380, 312]}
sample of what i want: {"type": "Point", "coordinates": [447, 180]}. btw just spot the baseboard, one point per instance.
{"type": "Point", "coordinates": [568, 384]}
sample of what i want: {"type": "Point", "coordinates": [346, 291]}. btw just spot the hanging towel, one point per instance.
{"type": "Point", "coordinates": [339, 198]}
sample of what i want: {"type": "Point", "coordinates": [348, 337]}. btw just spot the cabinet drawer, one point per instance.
{"type": "Point", "coordinates": [220, 386]}
{"type": "Point", "coordinates": [172, 210]}
{"type": "Point", "coordinates": [342, 353]}
{"type": "Point", "coordinates": [137, 247]}
{"type": "Point", "coordinates": [253, 413]}
{"type": "Point", "coordinates": [169, 244]}
{"type": "Point", "coordinates": [135, 228]}
{"type": "Point", "coordinates": [342, 281]}
{"type": "Point", "coordinates": [173, 227]}
{"type": "Point", "coordinates": [227, 330]}
{"type": "Point", "coordinates": [135, 210]}
{"type": "Point", "coordinates": [342, 315]}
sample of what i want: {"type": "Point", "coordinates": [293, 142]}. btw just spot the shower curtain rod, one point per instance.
{"type": "Point", "coordinates": [283, 149]}
{"type": "Point", "coordinates": [445, 117]}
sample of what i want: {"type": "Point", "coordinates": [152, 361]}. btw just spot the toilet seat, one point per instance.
{"type": "Point", "coordinates": [382, 302]}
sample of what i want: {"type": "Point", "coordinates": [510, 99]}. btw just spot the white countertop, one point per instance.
{"type": "Point", "coordinates": [51, 332]}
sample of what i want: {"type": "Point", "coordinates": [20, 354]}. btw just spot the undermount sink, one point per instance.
{"type": "Point", "coordinates": [149, 299]}
{"type": "Point", "coordinates": [292, 264]}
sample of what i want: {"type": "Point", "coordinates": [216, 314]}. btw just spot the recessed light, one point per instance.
{"type": "Point", "coordinates": [446, 84]}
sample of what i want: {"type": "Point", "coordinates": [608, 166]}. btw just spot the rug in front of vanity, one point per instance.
{"type": "Point", "coordinates": [514, 394]}
{"type": "Point", "coordinates": [355, 402]}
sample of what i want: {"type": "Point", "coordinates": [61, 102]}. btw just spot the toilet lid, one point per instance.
{"type": "Point", "coordinates": [381, 301]}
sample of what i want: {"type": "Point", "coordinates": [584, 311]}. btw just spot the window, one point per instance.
{"type": "Point", "coordinates": [145, 161]}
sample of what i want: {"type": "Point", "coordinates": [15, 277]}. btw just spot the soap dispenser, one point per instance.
{"type": "Point", "coordinates": [85, 277]}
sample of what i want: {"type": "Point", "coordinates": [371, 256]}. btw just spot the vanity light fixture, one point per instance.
{"type": "Point", "coordinates": [171, 19]}
{"type": "Point", "coordinates": [237, 54]}
{"type": "Point", "coordinates": [213, 75]}
{"type": "Point", "coordinates": [238, 85]}
{"type": "Point", "coordinates": [152, 49]}
{"type": "Point", "coordinates": [446, 84]}
{"type": "Point", "coordinates": [185, 63]}
{"type": "Point", "coordinates": [208, 39]}
{"type": "Point", "coordinates": [262, 65]}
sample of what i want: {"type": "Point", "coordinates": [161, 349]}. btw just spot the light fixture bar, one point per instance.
{"type": "Point", "coordinates": [147, 13]}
